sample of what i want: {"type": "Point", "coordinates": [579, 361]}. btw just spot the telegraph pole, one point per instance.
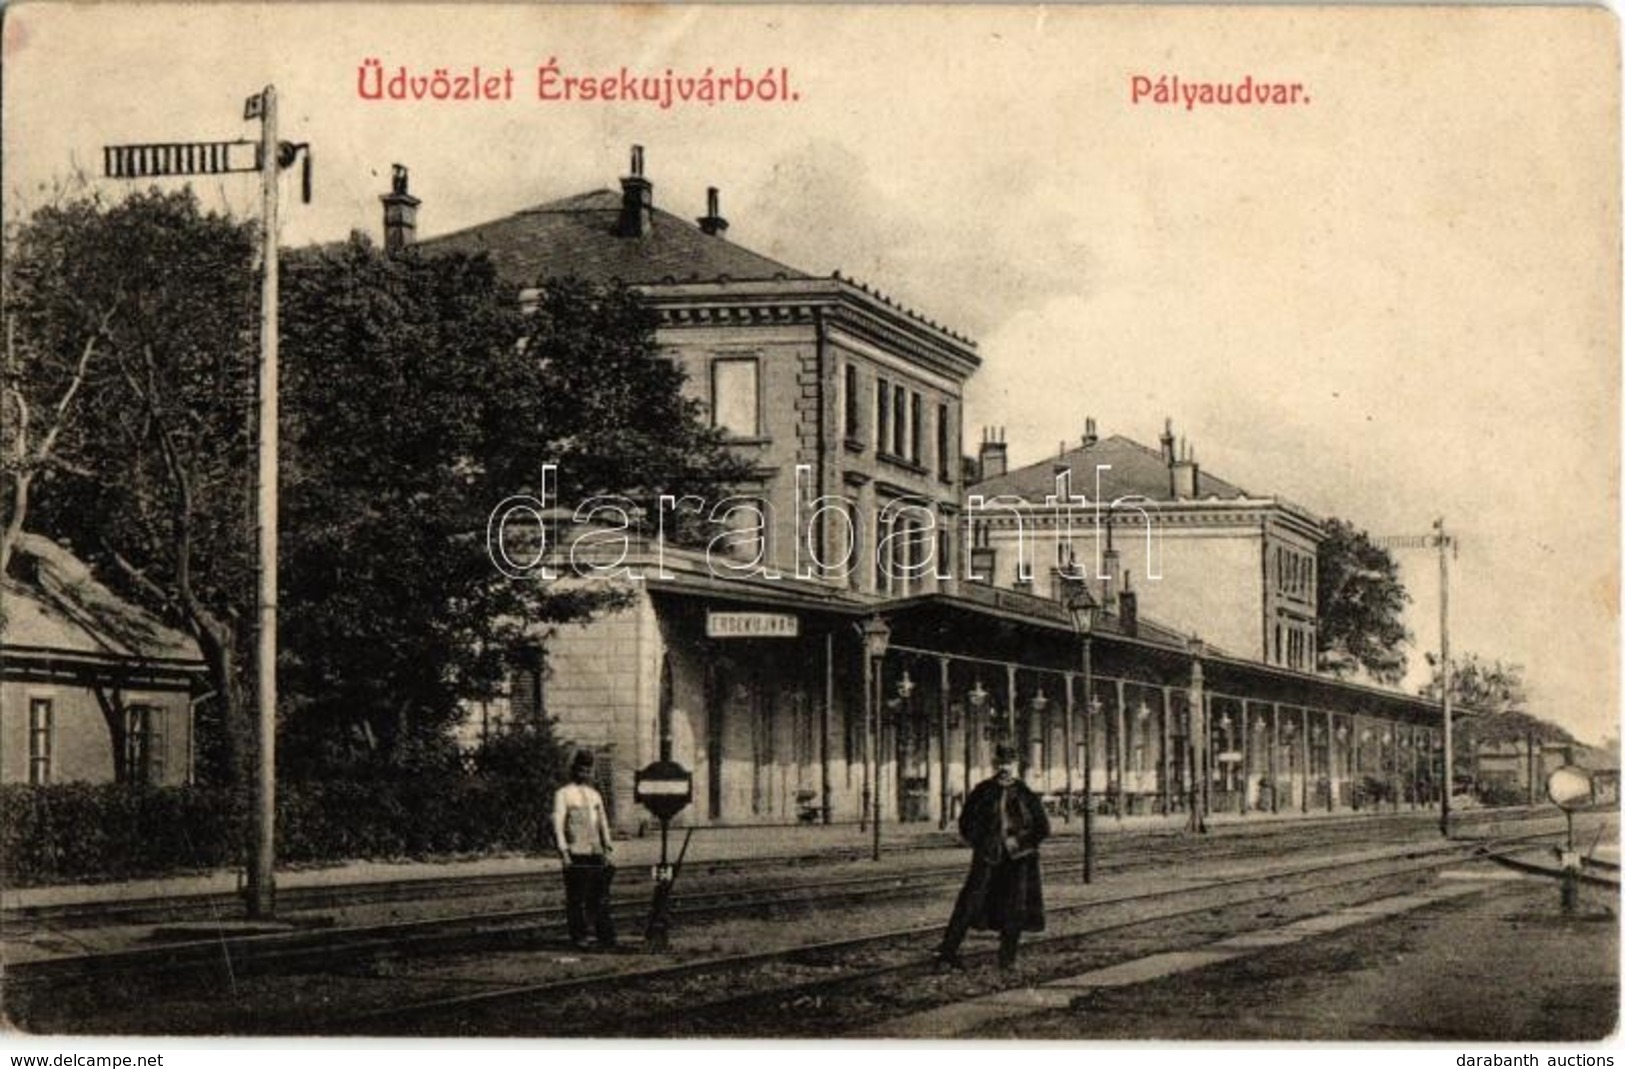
{"type": "Point", "coordinates": [1444, 676]}
{"type": "Point", "coordinates": [266, 158]}
{"type": "Point", "coordinates": [262, 873]}
{"type": "Point", "coordinates": [1446, 545]}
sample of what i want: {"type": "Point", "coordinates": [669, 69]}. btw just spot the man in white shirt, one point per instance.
{"type": "Point", "coordinates": [581, 830]}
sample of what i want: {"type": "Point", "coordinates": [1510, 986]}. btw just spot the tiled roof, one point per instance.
{"type": "Point", "coordinates": [61, 607]}
{"type": "Point", "coordinates": [577, 237]}
{"type": "Point", "coordinates": [1135, 469]}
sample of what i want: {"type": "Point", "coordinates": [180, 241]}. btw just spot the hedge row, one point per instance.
{"type": "Point", "coordinates": [83, 832]}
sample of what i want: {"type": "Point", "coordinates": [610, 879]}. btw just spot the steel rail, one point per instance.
{"type": "Point", "coordinates": [210, 905]}
{"type": "Point", "coordinates": [312, 946]}
{"type": "Point", "coordinates": [415, 1013]}
{"type": "Point", "coordinates": [736, 1004]}
{"type": "Point", "coordinates": [1536, 869]}
{"type": "Point", "coordinates": [293, 900]}
{"type": "Point", "coordinates": [268, 952]}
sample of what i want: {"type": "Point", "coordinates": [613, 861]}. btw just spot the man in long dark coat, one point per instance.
{"type": "Point", "coordinates": [1004, 822]}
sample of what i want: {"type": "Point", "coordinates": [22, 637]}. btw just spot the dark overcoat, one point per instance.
{"type": "Point", "coordinates": [1016, 891]}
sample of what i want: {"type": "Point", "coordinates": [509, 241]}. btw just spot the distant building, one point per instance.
{"type": "Point", "coordinates": [92, 688]}
{"type": "Point", "coordinates": [1517, 769]}
{"type": "Point", "coordinates": [1199, 554]}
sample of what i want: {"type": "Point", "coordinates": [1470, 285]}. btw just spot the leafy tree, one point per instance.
{"type": "Point", "coordinates": [1489, 700]}
{"type": "Point", "coordinates": [528, 753]}
{"type": "Point", "coordinates": [1493, 698]}
{"type": "Point", "coordinates": [1361, 603]}
{"type": "Point", "coordinates": [606, 406]}
{"type": "Point", "coordinates": [393, 371]}
{"type": "Point", "coordinates": [420, 394]}
{"type": "Point", "coordinates": [1478, 685]}
{"type": "Point", "coordinates": [53, 336]}
{"type": "Point", "coordinates": [139, 317]}
{"type": "Point", "coordinates": [417, 393]}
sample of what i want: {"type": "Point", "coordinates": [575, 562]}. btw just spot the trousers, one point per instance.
{"type": "Point", "coordinates": [972, 902]}
{"type": "Point", "coordinates": [586, 898]}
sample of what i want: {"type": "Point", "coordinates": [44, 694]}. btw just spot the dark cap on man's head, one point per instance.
{"type": "Point", "coordinates": [1004, 754]}
{"type": "Point", "coordinates": [582, 759]}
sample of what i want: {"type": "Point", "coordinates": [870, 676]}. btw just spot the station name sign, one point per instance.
{"type": "Point", "coordinates": [652, 788]}
{"type": "Point", "coordinates": [664, 788]}
{"type": "Point", "coordinates": [752, 625]}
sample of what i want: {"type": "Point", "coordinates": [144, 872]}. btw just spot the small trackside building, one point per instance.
{"type": "Point", "coordinates": [92, 689]}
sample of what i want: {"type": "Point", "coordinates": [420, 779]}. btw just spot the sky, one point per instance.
{"type": "Point", "coordinates": [1393, 302]}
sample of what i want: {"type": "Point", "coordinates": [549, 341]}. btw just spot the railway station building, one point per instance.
{"type": "Point", "coordinates": [865, 643]}
{"type": "Point", "coordinates": [1199, 553]}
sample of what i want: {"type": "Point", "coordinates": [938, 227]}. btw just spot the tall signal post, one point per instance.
{"type": "Point", "coordinates": [1446, 546]}
{"type": "Point", "coordinates": [267, 158]}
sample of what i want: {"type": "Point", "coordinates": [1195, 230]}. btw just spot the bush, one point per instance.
{"type": "Point", "coordinates": [78, 832]}
{"type": "Point", "coordinates": [1502, 792]}
{"type": "Point", "coordinates": [111, 831]}
{"type": "Point", "coordinates": [1375, 791]}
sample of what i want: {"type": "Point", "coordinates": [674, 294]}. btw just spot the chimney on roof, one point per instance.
{"type": "Point", "coordinates": [1128, 608]}
{"type": "Point", "coordinates": [1168, 441]}
{"type": "Point", "coordinates": [1089, 435]}
{"type": "Point", "coordinates": [991, 460]}
{"type": "Point", "coordinates": [1111, 562]}
{"type": "Point", "coordinates": [400, 213]}
{"type": "Point", "coordinates": [1182, 474]}
{"type": "Point", "coordinates": [637, 200]}
{"type": "Point", "coordinates": [712, 221]}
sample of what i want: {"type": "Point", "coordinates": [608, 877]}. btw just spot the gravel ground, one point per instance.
{"type": "Point", "coordinates": [1503, 965]}
{"type": "Point", "coordinates": [683, 1006]}
{"type": "Point", "coordinates": [280, 1003]}
{"type": "Point", "coordinates": [295, 1002]}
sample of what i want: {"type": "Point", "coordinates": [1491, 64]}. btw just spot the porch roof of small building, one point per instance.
{"type": "Point", "coordinates": [59, 618]}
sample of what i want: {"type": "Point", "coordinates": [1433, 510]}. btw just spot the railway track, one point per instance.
{"type": "Point", "coordinates": [748, 893]}
{"type": "Point", "coordinates": [219, 966]}
{"type": "Point", "coordinates": [635, 883]}
{"type": "Point", "coordinates": [160, 909]}
{"type": "Point", "coordinates": [208, 960]}
{"type": "Point", "coordinates": [834, 986]}
{"type": "Point", "coordinates": [247, 955]}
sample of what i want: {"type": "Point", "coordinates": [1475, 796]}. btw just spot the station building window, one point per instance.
{"type": "Point", "coordinates": [144, 744]}
{"type": "Point", "coordinates": [895, 559]}
{"type": "Point", "coordinates": [899, 422]}
{"type": "Point", "coordinates": [882, 579]}
{"type": "Point", "coordinates": [735, 400]}
{"type": "Point", "coordinates": [916, 427]}
{"type": "Point", "coordinates": [853, 432]}
{"type": "Point", "coordinates": [41, 734]}
{"type": "Point", "coordinates": [743, 531]}
{"type": "Point", "coordinates": [882, 415]}
{"type": "Point", "coordinates": [527, 693]}
{"type": "Point", "coordinates": [755, 521]}
{"type": "Point", "coordinates": [855, 573]}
